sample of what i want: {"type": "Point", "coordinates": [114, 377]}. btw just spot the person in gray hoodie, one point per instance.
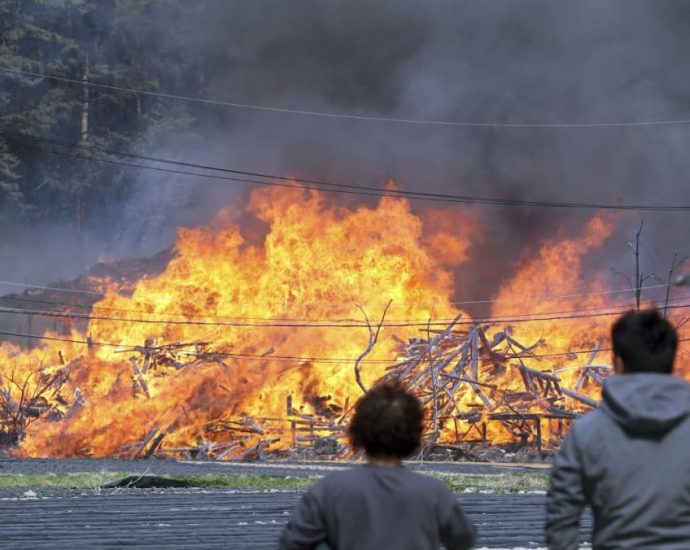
{"type": "Point", "coordinates": [629, 459]}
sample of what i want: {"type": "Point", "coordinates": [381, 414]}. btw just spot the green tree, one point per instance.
{"type": "Point", "coordinates": [125, 43]}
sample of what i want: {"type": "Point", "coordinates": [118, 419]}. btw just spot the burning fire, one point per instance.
{"type": "Point", "coordinates": [281, 318]}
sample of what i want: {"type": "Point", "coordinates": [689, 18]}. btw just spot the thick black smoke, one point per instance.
{"type": "Point", "coordinates": [490, 61]}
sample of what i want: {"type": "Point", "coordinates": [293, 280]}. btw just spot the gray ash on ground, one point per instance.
{"type": "Point", "coordinates": [332, 449]}
{"type": "Point", "coordinates": [488, 453]}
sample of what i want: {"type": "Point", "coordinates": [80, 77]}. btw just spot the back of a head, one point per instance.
{"type": "Point", "coordinates": [645, 342]}
{"type": "Point", "coordinates": [387, 422]}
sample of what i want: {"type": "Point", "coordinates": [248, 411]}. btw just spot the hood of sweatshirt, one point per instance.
{"type": "Point", "coordinates": [646, 403]}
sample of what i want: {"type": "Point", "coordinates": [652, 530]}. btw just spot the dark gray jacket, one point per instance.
{"type": "Point", "coordinates": [375, 508]}
{"type": "Point", "coordinates": [630, 461]}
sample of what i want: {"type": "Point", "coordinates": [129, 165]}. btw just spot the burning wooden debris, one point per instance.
{"type": "Point", "coordinates": [220, 303]}
{"type": "Point", "coordinates": [152, 359]}
{"type": "Point", "coordinates": [458, 374]}
{"type": "Point", "coordinates": [466, 378]}
{"type": "Point", "coordinates": [28, 396]}
{"type": "Point", "coordinates": [474, 381]}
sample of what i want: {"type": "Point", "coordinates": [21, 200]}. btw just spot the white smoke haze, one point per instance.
{"type": "Point", "coordinates": [524, 62]}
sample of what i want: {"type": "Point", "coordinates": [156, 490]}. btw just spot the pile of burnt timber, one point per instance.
{"type": "Point", "coordinates": [474, 382]}
{"type": "Point", "coordinates": [466, 379]}
{"type": "Point", "coordinates": [152, 359]}
{"type": "Point", "coordinates": [477, 389]}
{"type": "Point", "coordinates": [242, 438]}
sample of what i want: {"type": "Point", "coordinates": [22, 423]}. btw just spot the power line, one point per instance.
{"type": "Point", "coordinates": [205, 318]}
{"type": "Point", "coordinates": [558, 296]}
{"type": "Point", "coordinates": [264, 357]}
{"type": "Point", "coordinates": [226, 178]}
{"type": "Point", "coordinates": [346, 323]}
{"type": "Point", "coordinates": [346, 116]}
{"type": "Point", "coordinates": [117, 152]}
{"type": "Point", "coordinates": [265, 321]}
{"type": "Point", "coordinates": [329, 187]}
{"type": "Point", "coordinates": [25, 285]}
{"type": "Point", "coordinates": [312, 185]}
{"type": "Point", "coordinates": [523, 300]}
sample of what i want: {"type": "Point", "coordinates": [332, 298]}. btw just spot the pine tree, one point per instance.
{"type": "Point", "coordinates": [112, 42]}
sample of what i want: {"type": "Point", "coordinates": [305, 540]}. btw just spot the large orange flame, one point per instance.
{"type": "Point", "coordinates": [318, 265]}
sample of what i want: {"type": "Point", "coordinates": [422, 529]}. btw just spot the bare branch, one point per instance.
{"type": "Point", "coordinates": [640, 278]}
{"type": "Point", "coordinates": [24, 399]}
{"type": "Point", "coordinates": [373, 338]}
{"type": "Point", "coordinates": [626, 277]}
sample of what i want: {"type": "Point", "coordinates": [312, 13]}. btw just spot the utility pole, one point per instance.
{"type": "Point", "coordinates": [83, 138]}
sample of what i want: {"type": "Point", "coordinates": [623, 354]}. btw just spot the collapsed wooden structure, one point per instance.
{"type": "Point", "coordinates": [472, 379]}
{"type": "Point", "coordinates": [472, 382]}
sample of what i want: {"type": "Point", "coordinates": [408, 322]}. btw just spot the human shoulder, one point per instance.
{"type": "Point", "coordinates": [356, 474]}
{"type": "Point", "coordinates": [344, 477]}
{"type": "Point", "coordinates": [589, 427]}
{"type": "Point", "coordinates": [426, 482]}
{"type": "Point", "coordinates": [328, 486]}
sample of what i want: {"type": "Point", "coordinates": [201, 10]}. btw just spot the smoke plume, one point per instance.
{"type": "Point", "coordinates": [540, 62]}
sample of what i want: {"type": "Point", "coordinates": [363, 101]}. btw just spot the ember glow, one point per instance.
{"type": "Point", "coordinates": [235, 340]}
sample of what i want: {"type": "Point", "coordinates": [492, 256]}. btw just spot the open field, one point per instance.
{"type": "Point", "coordinates": [214, 519]}
{"type": "Point", "coordinates": [86, 474]}
{"type": "Point", "coordinates": [269, 467]}
{"type": "Point", "coordinates": [64, 503]}
{"type": "Point", "coordinates": [509, 482]}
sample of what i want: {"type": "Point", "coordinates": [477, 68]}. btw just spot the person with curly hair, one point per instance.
{"type": "Point", "coordinates": [380, 504]}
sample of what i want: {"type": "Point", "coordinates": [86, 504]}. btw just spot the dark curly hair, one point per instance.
{"type": "Point", "coordinates": [387, 422]}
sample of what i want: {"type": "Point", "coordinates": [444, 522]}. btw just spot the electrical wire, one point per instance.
{"type": "Point", "coordinates": [539, 299]}
{"type": "Point", "coordinates": [329, 187]}
{"type": "Point", "coordinates": [268, 357]}
{"type": "Point", "coordinates": [345, 323]}
{"type": "Point", "coordinates": [466, 302]}
{"type": "Point", "coordinates": [26, 285]}
{"type": "Point", "coordinates": [347, 116]}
